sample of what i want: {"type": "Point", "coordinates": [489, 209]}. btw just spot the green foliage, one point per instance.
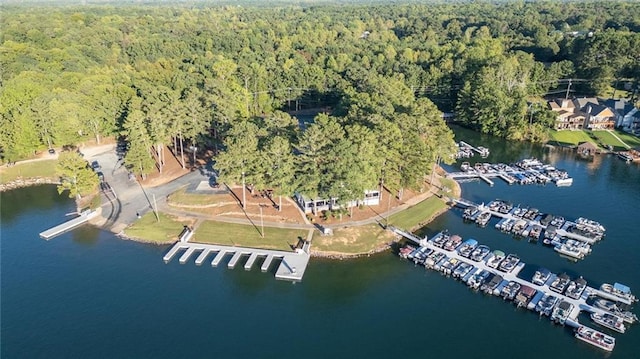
{"type": "Point", "coordinates": [220, 77]}
{"type": "Point", "coordinates": [75, 175]}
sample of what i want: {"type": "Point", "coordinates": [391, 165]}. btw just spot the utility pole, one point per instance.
{"type": "Point", "coordinates": [566, 96]}
{"type": "Point", "coordinates": [244, 198]}
{"type": "Point", "coordinates": [261, 223]}
{"type": "Point", "coordinates": [155, 208]}
{"type": "Point", "coordinates": [388, 208]}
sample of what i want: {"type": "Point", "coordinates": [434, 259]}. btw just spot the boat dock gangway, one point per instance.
{"type": "Point", "coordinates": [579, 304]}
{"type": "Point", "coordinates": [68, 225]}
{"type": "Point", "coordinates": [482, 151]}
{"type": "Point", "coordinates": [292, 265]}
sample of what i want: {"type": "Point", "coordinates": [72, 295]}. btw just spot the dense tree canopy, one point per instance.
{"type": "Point", "coordinates": [223, 77]}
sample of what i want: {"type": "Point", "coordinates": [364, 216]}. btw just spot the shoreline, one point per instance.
{"type": "Point", "coordinates": [100, 223]}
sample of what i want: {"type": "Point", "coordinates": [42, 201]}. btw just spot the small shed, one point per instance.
{"type": "Point", "coordinates": [587, 148]}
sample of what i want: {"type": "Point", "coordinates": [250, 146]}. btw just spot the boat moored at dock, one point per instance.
{"type": "Point", "coordinates": [560, 283]}
{"type": "Point", "coordinates": [596, 338]}
{"type": "Point", "coordinates": [619, 290]}
{"type": "Point", "coordinates": [609, 321]}
{"type": "Point", "coordinates": [509, 263]}
{"type": "Point", "coordinates": [611, 307]}
{"type": "Point", "coordinates": [541, 276]}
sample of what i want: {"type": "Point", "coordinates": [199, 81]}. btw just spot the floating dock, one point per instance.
{"type": "Point", "coordinates": [292, 266]}
{"type": "Point", "coordinates": [527, 171]}
{"type": "Point", "coordinates": [578, 305]}
{"type": "Point", "coordinates": [68, 225]}
{"type": "Point", "coordinates": [508, 216]}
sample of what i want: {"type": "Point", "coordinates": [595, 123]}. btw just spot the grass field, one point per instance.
{"type": "Point", "coordinates": [607, 139]}
{"type": "Point", "coordinates": [181, 197]}
{"type": "Point", "coordinates": [413, 216]}
{"type": "Point", "coordinates": [600, 138]}
{"type": "Point", "coordinates": [28, 170]}
{"type": "Point", "coordinates": [569, 137]}
{"type": "Point", "coordinates": [242, 235]}
{"type": "Point", "coordinates": [629, 139]}
{"type": "Point", "coordinates": [352, 240]}
{"type": "Point", "coordinates": [149, 229]}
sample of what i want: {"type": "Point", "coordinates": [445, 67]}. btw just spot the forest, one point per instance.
{"type": "Point", "coordinates": [226, 77]}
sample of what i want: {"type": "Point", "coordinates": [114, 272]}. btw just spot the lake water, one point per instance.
{"type": "Point", "coordinates": [89, 294]}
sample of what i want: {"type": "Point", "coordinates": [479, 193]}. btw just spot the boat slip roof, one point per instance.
{"type": "Point", "coordinates": [622, 288]}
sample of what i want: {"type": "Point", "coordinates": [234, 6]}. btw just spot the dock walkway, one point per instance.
{"type": "Point", "coordinates": [68, 225]}
{"type": "Point", "coordinates": [292, 266]}
{"type": "Point", "coordinates": [561, 232]}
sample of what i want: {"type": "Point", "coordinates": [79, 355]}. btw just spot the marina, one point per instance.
{"type": "Point", "coordinates": [292, 265]}
{"type": "Point", "coordinates": [524, 172]}
{"type": "Point", "coordinates": [83, 218]}
{"type": "Point", "coordinates": [558, 297]}
{"type": "Point", "coordinates": [466, 150]}
{"type": "Point", "coordinates": [572, 239]}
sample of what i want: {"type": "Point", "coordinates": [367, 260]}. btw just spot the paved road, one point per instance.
{"type": "Point", "coordinates": [126, 199]}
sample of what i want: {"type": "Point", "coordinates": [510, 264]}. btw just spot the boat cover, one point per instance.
{"type": "Point", "coordinates": [622, 288]}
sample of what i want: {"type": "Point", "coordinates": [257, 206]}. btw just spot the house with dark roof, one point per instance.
{"type": "Point", "coordinates": [624, 112]}
{"type": "Point", "coordinates": [582, 113]}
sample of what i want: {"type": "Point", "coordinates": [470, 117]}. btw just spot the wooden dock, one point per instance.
{"type": "Point", "coordinates": [84, 217]}
{"type": "Point", "coordinates": [292, 266]}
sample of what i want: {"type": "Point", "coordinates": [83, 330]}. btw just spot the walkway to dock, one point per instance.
{"type": "Point", "coordinates": [578, 304]}
{"type": "Point", "coordinates": [68, 225]}
{"type": "Point", "coordinates": [292, 266]}
{"type": "Point", "coordinates": [560, 231]}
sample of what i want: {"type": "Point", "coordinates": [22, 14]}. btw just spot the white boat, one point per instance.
{"type": "Point", "coordinates": [496, 259]}
{"type": "Point", "coordinates": [564, 181]}
{"type": "Point", "coordinates": [609, 321]}
{"type": "Point", "coordinates": [570, 251]}
{"type": "Point", "coordinates": [596, 338]}
{"type": "Point", "coordinates": [612, 308]}
{"type": "Point", "coordinates": [509, 263]}
{"type": "Point", "coordinates": [619, 290]}
{"type": "Point", "coordinates": [541, 276]}
{"type": "Point", "coordinates": [561, 312]}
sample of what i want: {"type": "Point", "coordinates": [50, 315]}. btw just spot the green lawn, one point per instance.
{"type": "Point", "coordinates": [413, 216]}
{"type": "Point", "coordinates": [182, 197]}
{"type": "Point", "coordinates": [149, 229]}
{"type": "Point", "coordinates": [246, 235]}
{"type": "Point", "coordinates": [352, 240]}
{"type": "Point", "coordinates": [629, 139]}
{"type": "Point", "coordinates": [569, 137]}
{"type": "Point", "coordinates": [605, 138]}
{"type": "Point", "coordinates": [600, 138]}
{"type": "Point", "coordinates": [28, 170]}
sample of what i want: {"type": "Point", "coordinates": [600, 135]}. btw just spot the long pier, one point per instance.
{"type": "Point", "coordinates": [292, 266]}
{"type": "Point", "coordinates": [68, 225]}
{"type": "Point", "coordinates": [578, 305]}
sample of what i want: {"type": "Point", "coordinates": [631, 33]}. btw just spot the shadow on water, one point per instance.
{"type": "Point", "coordinates": [42, 198]}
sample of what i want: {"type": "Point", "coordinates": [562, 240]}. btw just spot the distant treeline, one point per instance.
{"type": "Point", "coordinates": [219, 77]}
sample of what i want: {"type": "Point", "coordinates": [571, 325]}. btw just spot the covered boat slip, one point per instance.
{"type": "Point", "coordinates": [578, 304]}
{"type": "Point", "coordinates": [563, 232]}
{"type": "Point", "coordinates": [292, 266]}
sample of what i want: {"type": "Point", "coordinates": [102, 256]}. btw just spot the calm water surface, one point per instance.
{"type": "Point", "coordinates": [88, 294]}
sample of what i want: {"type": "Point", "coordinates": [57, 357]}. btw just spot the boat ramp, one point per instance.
{"type": "Point", "coordinates": [569, 238]}
{"type": "Point", "coordinates": [527, 171]}
{"type": "Point", "coordinates": [68, 225]}
{"type": "Point", "coordinates": [292, 265]}
{"type": "Point", "coordinates": [565, 306]}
